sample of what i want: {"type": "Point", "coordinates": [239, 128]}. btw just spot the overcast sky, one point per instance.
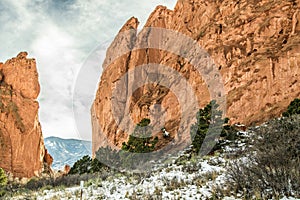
{"type": "Point", "coordinates": [68, 39]}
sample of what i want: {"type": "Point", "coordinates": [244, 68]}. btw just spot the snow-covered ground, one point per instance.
{"type": "Point", "coordinates": [171, 182]}
{"type": "Point", "coordinates": [188, 179]}
{"type": "Point", "coordinates": [182, 178]}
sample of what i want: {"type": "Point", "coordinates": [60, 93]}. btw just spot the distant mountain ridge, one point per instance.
{"type": "Point", "coordinates": [66, 151]}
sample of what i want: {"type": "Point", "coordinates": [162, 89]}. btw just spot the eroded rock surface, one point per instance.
{"type": "Point", "coordinates": [22, 150]}
{"type": "Point", "coordinates": [254, 45]}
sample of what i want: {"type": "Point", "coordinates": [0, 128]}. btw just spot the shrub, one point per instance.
{"type": "Point", "coordinates": [86, 165]}
{"type": "Point", "coordinates": [293, 108]}
{"type": "Point", "coordinates": [3, 182]}
{"type": "Point", "coordinates": [81, 166]}
{"type": "Point", "coordinates": [120, 159]}
{"type": "Point", "coordinates": [63, 181]}
{"type": "Point", "coordinates": [272, 168]}
{"type": "Point", "coordinates": [35, 183]}
{"type": "Point", "coordinates": [3, 178]}
{"type": "Point", "coordinates": [108, 156]}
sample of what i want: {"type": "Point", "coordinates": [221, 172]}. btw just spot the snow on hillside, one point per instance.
{"type": "Point", "coordinates": [181, 177]}
{"type": "Point", "coordinates": [194, 181]}
{"type": "Point", "coordinates": [66, 151]}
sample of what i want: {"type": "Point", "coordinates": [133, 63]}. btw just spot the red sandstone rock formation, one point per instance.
{"type": "Point", "coordinates": [48, 159]}
{"type": "Point", "coordinates": [254, 44]}
{"type": "Point", "coordinates": [67, 169]}
{"type": "Point", "coordinates": [22, 150]}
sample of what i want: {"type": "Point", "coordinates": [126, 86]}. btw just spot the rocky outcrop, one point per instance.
{"type": "Point", "coordinates": [254, 46]}
{"type": "Point", "coordinates": [22, 150]}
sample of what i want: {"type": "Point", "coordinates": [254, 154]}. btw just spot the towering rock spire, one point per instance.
{"type": "Point", "coordinates": [22, 150]}
{"type": "Point", "coordinates": [253, 44]}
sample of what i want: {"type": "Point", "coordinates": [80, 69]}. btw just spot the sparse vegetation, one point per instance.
{"type": "Point", "coordinates": [293, 108]}
{"type": "Point", "coordinates": [12, 107]}
{"type": "Point", "coordinates": [8, 106]}
{"type": "Point", "coordinates": [108, 156]}
{"type": "Point", "coordinates": [272, 168]}
{"type": "Point", "coordinates": [63, 181]}
{"type": "Point", "coordinates": [189, 175]}
{"type": "Point", "coordinates": [3, 182]}
{"type": "Point", "coordinates": [3, 178]}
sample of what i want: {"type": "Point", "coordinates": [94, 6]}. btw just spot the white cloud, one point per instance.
{"type": "Point", "coordinates": [61, 35]}
{"type": "Point", "coordinates": [57, 61]}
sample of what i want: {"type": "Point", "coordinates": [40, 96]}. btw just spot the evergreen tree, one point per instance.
{"type": "Point", "coordinates": [86, 165]}
{"type": "Point", "coordinates": [96, 166]}
{"type": "Point", "coordinates": [82, 166]}
{"type": "Point", "coordinates": [209, 126]}
{"type": "Point", "coordinates": [141, 140]}
{"type": "Point", "coordinates": [293, 108]}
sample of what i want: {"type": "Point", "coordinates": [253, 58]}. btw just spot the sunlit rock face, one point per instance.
{"type": "Point", "coordinates": [22, 150]}
{"type": "Point", "coordinates": [255, 46]}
